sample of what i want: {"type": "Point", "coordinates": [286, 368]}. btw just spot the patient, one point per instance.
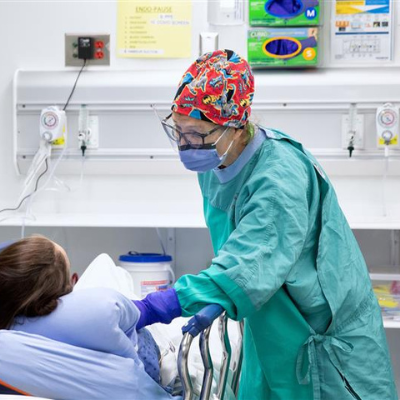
{"type": "Point", "coordinates": [34, 273]}
{"type": "Point", "coordinates": [37, 297]}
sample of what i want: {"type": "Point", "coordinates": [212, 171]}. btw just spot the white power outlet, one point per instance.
{"type": "Point", "coordinates": [346, 134]}
{"type": "Point", "coordinates": [92, 137]}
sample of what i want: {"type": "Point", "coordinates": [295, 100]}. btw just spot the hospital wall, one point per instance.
{"type": "Point", "coordinates": [90, 220]}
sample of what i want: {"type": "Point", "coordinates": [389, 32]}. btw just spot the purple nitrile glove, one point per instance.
{"type": "Point", "coordinates": [283, 8]}
{"type": "Point", "coordinates": [158, 307]}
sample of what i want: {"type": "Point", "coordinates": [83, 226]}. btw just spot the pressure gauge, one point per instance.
{"type": "Point", "coordinates": [50, 119]}
{"type": "Point", "coordinates": [387, 118]}
{"type": "Point", "coordinates": [52, 123]}
{"type": "Point", "coordinates": [387, 125]}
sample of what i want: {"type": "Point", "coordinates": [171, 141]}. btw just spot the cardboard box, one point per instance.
{"type": "Point", "coordinates": [277, 13]}
{"type": "Point", "coordinates": [283, 47]}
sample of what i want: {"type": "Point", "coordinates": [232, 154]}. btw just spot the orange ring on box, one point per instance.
{"type": "Point", "coordinates": [282, 57]}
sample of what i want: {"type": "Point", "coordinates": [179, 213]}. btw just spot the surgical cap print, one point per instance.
{"type": "Point", "coordinates": [218, 87]}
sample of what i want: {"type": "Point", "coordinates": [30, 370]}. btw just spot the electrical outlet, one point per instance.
{"type": "Point", "coordinates": [346, 134]}
{"type": "Point", "coordinates": [101, 54]}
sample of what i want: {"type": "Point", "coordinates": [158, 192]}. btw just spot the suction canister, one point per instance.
{"type": "Point", "coordinates": [150, 272]}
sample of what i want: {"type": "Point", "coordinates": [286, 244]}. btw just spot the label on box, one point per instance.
{"type": "Point", "coordinates": [147, 287]}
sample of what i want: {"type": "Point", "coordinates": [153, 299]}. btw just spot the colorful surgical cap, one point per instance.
{"type": "Point", "coordinates": [218, 87]}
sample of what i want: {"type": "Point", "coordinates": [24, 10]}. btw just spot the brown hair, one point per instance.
{"type": "Point", "coordinates": [33, 275]}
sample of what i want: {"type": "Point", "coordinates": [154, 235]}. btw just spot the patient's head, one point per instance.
{"type": "Point", "coordinates": [34, 273]}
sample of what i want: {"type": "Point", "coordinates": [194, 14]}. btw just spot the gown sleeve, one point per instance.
{"type": "Point", "coordinates": [261, 251]}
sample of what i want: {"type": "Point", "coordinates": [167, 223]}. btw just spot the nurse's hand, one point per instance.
{"type": "Point", "coordinates": [158, 307]}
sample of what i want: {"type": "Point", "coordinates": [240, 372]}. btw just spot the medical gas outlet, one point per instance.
{"type": "Point", "coordinates": [387, 125]}
{"type": "Point", "coordinates": [88, 131]}
{"type": "Point", "coordinates": [352, 132]}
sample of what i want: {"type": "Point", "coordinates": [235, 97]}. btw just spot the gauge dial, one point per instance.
{"type": "Point", "coordinates": [387, 118]}
{"type": "Point", "coordinates": [50, 120]}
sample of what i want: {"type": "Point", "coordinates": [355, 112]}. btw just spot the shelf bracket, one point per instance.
{"type": "Point", "coordinates": [171, 245]}
{"type": "Point", "coordinates": [395, 248]}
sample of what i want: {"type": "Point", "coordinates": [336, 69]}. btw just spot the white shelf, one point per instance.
{"type": "Point", "coordinates": [378, 223]}
{"type": "Point", "coordinates": [111, 220]}
{"type": "Point", "coordinates": [183, 220]}
{"type": "Point", "coordinates": [385, 277]}
{"type": "Point", "coordinates": [391, 324]}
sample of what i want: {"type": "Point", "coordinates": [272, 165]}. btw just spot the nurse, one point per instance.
{"type": "Point", "coordinates": [286, 260]}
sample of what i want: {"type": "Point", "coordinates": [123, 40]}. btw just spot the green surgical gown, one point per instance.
{"type": "Point", "coordinates": [287, 262]}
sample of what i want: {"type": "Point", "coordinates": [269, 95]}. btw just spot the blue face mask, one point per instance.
{"type": "Point", "coordinates": [202, 160]}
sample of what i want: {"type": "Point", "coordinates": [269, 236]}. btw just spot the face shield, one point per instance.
{"type": "Point", "coordinates": [191, 139]}
{"type": "Point", "coordinates": [195, 151]}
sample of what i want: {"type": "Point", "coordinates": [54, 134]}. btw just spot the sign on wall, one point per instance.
{"type": "Point", "coordinates": [362, 31]}
{"type": "Point", "coordinates": [154, 29]}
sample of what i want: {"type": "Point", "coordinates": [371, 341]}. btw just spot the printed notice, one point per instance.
{"type": "Point", "coordinates": [154, 29]}
{"type": "Point", "coordinates": [362, 31]}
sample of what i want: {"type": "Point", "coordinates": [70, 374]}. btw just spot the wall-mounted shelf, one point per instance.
{"type": "Point", "coordinates": [109, 220]}
{"type": "Point", "coordinates": [391, 324]}
{"type": "Point", "coordinates": [375, 223]}
{"type": "Point", "coordinates": [385, 277]}
{"type": "Point", "coordinates": [147, 220]}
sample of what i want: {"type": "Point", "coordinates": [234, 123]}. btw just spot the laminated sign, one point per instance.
{"type": "Point", "coordinates": [154, 29]}
{"type": "Point", "coordinates": [362, 31]}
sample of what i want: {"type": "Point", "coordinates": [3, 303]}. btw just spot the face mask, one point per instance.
{"type": "Point", "coordinates": [202, 160]}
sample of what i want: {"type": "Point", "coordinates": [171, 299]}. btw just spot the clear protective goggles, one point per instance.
{"type": "Point", "coordinates": [188, 140]}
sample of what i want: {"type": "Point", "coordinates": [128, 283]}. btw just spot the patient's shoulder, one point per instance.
{"type": "Point", "coordinates": [97, 303]}
{"type": "Point", "coordinates": [95, 318]}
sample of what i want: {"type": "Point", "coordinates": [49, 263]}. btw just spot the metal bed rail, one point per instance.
{"type": "Point", "coordinates": [201, 324]}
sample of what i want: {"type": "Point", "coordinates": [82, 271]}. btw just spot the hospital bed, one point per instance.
{"type": "Point", "coordinates": [24, 367]}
